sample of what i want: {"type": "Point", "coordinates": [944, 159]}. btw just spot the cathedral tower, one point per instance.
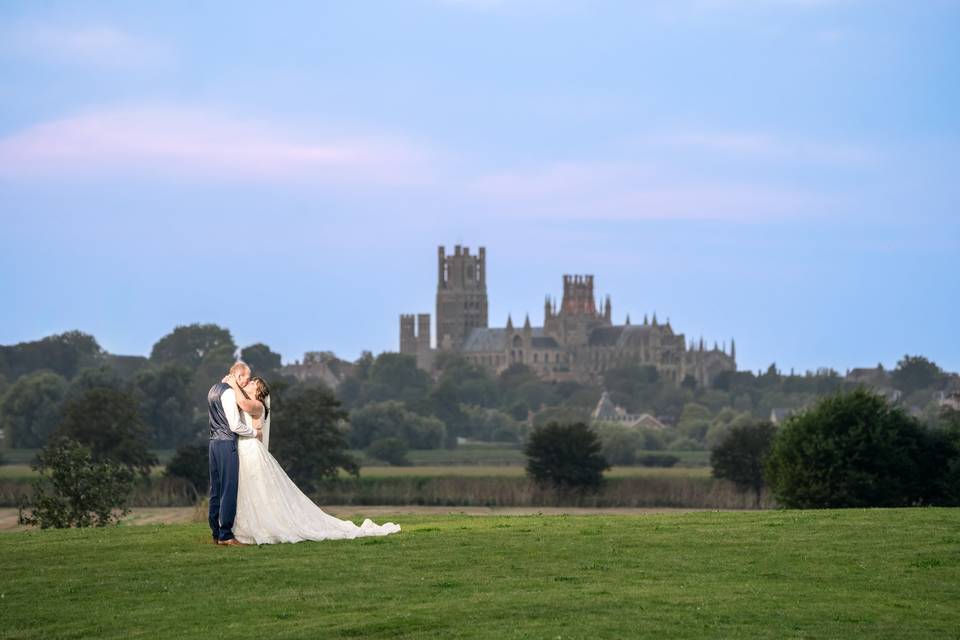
{"type": "Point", "coordinates": [461, 295]}
{"type": "Point", "coordinates": [578, 296]}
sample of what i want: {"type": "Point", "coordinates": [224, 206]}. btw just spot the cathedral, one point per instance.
{"type": "Point", "coordinates": [577, 341]}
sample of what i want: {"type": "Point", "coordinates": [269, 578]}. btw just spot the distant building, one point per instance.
{"type": "Point", "coordinates": [321, 366]}
{"type": "Point", "coordinates": [871, 377]}
{"type": "Point", "coordinates": [949, 400]}
{"type": "Point", "coordinates": [877, 379]}
{"type": "Point", "coordinates": [577, 341]}
{"type": "Point", "coordinates": [607, 411]}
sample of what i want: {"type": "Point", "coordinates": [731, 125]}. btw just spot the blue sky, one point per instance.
{"type": "Point", "coordinates": [783, 172]}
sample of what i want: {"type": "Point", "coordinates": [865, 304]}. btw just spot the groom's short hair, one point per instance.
{"type": "Point", "coordinates": [240, 367]}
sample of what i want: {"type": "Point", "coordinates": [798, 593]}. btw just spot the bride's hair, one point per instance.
{"type": "Point", "coordinates": [261, 394]}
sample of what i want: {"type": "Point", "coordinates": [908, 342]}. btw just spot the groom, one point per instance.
{"type": "Point", "coordinates": [226, 425]}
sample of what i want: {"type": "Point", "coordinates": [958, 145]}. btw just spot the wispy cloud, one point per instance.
{"type": "Point", "coordinates": [205, 144]}
{"type": "Point", "coordinates": [91, 45]}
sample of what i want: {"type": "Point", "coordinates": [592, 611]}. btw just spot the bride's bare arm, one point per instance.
{"type": "Point", "coordinates": [251, 406]}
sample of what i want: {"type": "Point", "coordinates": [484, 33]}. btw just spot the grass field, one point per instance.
{"type": "Point", "coordinates": [824, 574]}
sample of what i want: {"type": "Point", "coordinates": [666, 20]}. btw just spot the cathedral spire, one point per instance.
{"type": "Point", "coordinates": [733, 350]}
{"type": "Point", "coordinates": [654, 318]}
{"type": "Point", "coordinates": [628, 320]}
{"type": "Point", "coordinates": [645, 320]}
{"type": "Point", "coordinates": [509, 322]}
{"type": "Point", "coordinates": [526, 323]}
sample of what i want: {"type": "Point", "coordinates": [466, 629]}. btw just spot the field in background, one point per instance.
{"type": "Point", "coordinates": [508, 455]}
{"type": "Point", "coordinates": [473, 475]}
{"type": "Point", "coordinates": [823, 574]}
{"type": "Point", "coordinates": [518, 471]}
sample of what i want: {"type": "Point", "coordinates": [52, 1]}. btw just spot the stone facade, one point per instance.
{"type": "Point", "coordinates": [322, 366]}
{"type": "Point", "coordinates": [577, 341]}
{"type": "Point", "coordinates": [461, 296]}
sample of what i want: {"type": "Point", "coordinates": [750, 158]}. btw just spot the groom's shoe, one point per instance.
{"type": "Point", "coordinates": [232, 542]}
{"type": "Point", "coordinates": [215, 540]}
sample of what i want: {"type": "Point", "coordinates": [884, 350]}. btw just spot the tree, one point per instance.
{"type": "Point", "coordinates": [166, 405]}
{"type": "Point", "coordinates": [393, 376]}
{"type": "Point", "coordinates": [915, 373]}
{"type": "Point", "coordinates": [854, 450]}
{"type": "Point", "coordinates": [261, 359]}
{"type": "Point", "coordinates": [102, 377]}
{"type": "Point", "coordinates": [308, 436]}
{"type": "Point", "coordinates": [741, 454]}
{"type": "Point", "coordinates": [460, 383]}
{"type": "Point", "coordinates": [32, 409]}
{"type": "Point", "coordinates": [949, 421]}
{"type": "Point", "coordinates": [490, 425]}
{"type": "Point", "coordinates": [620, 443]}
{"type": "Point", "coordinates": [390, 450]}
{"type": "Point", "coordinates": [392, 420]}
{"type": "Point", "coordinates": [694, 421]}
{"type": "Point", "coordinates": [191, 462]}
{"type": "Point", "coordinates": [563, 414]}
{"type": "Point", "coordinates": [189, 345]}
{"type": "Point", "coordinates": [65, 354]}
{"type": "Point", "coordinates": [566, 457]}
{"type": "Point", "coordinates": [74, 490]}
{"type": "Point", "coordinates": [108, 422]}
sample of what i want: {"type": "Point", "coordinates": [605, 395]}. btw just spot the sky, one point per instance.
{"type": "Point", "coordinates": [781, 172]}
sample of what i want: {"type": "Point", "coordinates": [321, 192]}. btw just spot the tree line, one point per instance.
{"type": "Point", "coordinates": [393, 406]}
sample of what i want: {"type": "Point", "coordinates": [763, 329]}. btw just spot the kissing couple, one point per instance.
{"type": "Point", "coordinates": [252, 500]}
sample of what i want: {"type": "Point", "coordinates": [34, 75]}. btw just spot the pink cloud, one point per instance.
{"type": "Point", "coordinates": [204, 144]}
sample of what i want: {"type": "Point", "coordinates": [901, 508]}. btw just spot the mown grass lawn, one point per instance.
{"type": "Point", "coordinates": [822, 574]}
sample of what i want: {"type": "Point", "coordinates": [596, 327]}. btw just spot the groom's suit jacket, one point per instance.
{"type": "Point", "coordinates": [226, 421]}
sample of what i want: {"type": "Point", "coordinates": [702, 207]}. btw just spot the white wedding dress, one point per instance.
{"type": "Point", "coordinates": [271, 509]}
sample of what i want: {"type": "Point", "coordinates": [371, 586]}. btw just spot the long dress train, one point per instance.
{"type": "Point", "coordinates": [271, 509]}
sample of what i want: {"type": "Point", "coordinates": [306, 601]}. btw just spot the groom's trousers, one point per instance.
{"type": "Point", "coordinates": [224, 478]}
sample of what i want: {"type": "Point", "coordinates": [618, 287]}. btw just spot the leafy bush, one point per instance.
{"type": "Point", "coordinates": [619, 442]}
{"type": "Point", "coordinates": [855, 450]}
{"type": "Point", "coordinates": [684, 444]}
{"type": "Point", "coordinates": [74, 490]}
{"type": "Point", "coordinates": [392, 420]}
{"type": "Point", "coordinates": [32, 408]}
{"type": "Point", "coordinates": [308, 438]}
{"type": "Point", "coordinates": [390, 450]}
{"type": "Point", "coordinates": [108, 421]}
{"type": "Point", "coordinates": [490, 425]}
{"type": "Point", "coordinates": [192, 463]}
{"type": "Point", "coordinates": [741, 455]}
{"type": "Point", "coordinates": [566, 457]}
{"type": "Point", "coordinates": [658, 460]}
{"type": "Point", "coordinates": [950, 422]}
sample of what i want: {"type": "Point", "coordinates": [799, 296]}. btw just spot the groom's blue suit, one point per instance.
{"type": "Point", "coordinates": [224, 467]}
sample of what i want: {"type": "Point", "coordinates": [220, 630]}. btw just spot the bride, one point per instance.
{"type": "Point", "coordinates": [270, 507]}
